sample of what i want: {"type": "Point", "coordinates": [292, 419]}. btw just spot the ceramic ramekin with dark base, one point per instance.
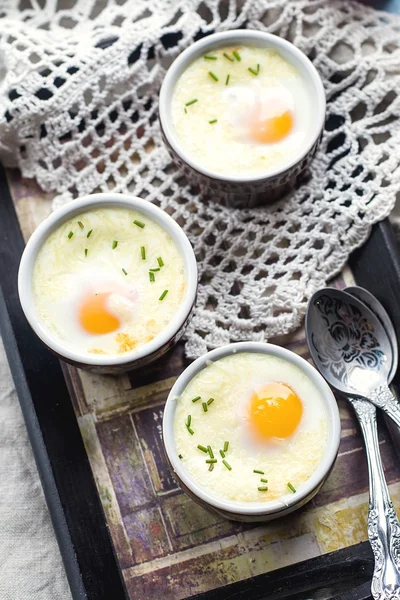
{"type": "Point", "coordinates": [252, 511]}
{"type": "Point", "coordinates": [115, 363]}
{"type": "Point", "coordinates": [236, 190]}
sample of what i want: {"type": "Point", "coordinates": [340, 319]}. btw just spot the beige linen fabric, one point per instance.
{"type": "Point", "coordinates": [30, 563]}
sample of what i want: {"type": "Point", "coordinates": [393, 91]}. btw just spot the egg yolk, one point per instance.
{"type": "Point", "coordinates": [275, 411]}
{"type": "Point", "coordinates": [273, 129]}
{"type": "Point", "coordinates": [95, 316]}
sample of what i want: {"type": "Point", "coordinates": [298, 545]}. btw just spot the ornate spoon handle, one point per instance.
{"type": "Point", "coordinates": [383, 526]}
{"type": "Point", "coordinates": [383, 398]}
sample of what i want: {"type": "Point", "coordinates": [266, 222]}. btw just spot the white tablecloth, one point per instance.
{"type": "Point", "coordinates": [30, 563]}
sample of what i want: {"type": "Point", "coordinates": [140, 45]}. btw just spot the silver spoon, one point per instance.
{"type": "Point", "coordinates": [351, 349]}
{"type": "Point", "coordinates": [373, 304]}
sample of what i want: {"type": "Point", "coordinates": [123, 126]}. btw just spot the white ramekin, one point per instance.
{"type": "Point", "coordinates": [253, 511]}
{"type": "Point", "coordinates": [236, 189]}
{"type": "Point", "coordinates": [97, 362]}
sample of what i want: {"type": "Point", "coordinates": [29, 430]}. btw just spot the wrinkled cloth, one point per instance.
{"type": "Point", "coordinates": [30, 562]}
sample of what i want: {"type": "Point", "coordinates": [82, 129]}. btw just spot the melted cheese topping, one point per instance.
{"type": "Point", "coordinates": [231, 381]}
{"type": "Point", "coordinates": [243, 123]}
{"type": "Point", "coordinates": [96, 293]}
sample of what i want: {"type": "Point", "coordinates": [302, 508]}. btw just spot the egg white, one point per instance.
{"type": "Point", "coordinates": [63, 277]}
{"type": "Point", "coordinates": [231, 381]}
{"type": "Point", "coordinates": [225, 146]}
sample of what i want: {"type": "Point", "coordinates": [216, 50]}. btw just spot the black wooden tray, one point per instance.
{"type": "Point", "coordinates": [71, 494]}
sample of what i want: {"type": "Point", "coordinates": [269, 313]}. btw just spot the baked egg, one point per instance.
{"type": "Point", "coordinates": [250, 427]}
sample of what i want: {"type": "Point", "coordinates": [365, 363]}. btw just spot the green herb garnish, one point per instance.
{"type": "Point", "coordinates": [89, 233]}
{"type": "Point", "coordinates": [254, 71]}
{"type": "Point", "coordinates": [291, 488]}
{"type": "Point", "coordinates": [213, 121]}
{"type": "Point", "coordinates": [228, 57]}
{"type": "Point", "coordinates": [152, 277]}
{"type": "Point", "coordinates": [190, 430]}
{"type": "Point", "coordinates": [185, 109]}
{"type": "Point", "coordinates": [263, 489]}
{"type": "Point", "coordinates": [80, 224]}
{"type": "Point", "coordinates": [211, 467]}
{"type": "Point", "coordinates": [211, 461]}
{"type": "Point", "coordinates": [191, 102]}
{"type": "Point", "coordinates": [210, 452]}
{"type": "Point", "coordinates": [189, 420]}
{"type": "Point", "coordinates": [204, 405]}
{"type": "Point", "coordinates": [160, 261]}
{"type": "Point", "coordinates": [202, 448]}
{"type": "Point", "coordinates": [196, 399]}
{"type": "Point", "coordinates": [226, 446]}
{"type": "Point", "coordinates": [259, 472]}
{"type": "Point", "coordinates": [114, 244]}
{"type": "Point", "coordinates": [143, 252]}
{"type": "Point", "coordinates": [124, 272]}
{"type": "Point", "coordinates": [210, 401]}
{"type": "Point", "coordinates": [236, 55]}
{"type": "Point", "coordinates": [154, 270]}
{"type": "Point", "coordinates": [222, 453]}
{"type": "Point", "coordinates": [227, 79]}
{"type": "Point", "coordinates": [139, 224]}
{"type": "Point", "coordinates": [213, 76]}
{"type": "Point", "coordinates": [264, 480]}
{"type": "Point", "coordinates": [86, 251]}
{"type": "Point", "coordinates": [180, 456]}
{"type": "Point", "coordinates": [228, 466]}
{"type": "Point", "coordinates": [71, 233]}
{"type": "Point", "coordinates": [161, 298]}
{"type": "Point", "coordinates": [209, 57]}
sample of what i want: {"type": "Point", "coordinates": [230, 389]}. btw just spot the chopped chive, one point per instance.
{"type": "Point", "coordinates": [196, 399]}
{"type": "Point", "coordinates": [291, 488]}
{"type": "Point", "coordinates": [237, 55]}
{"type": "Point", "coordinates": [210, 452]}
{"type": "Point", "coordinates": [160, 261]}
{"type": "Point", "coordinates": [258, 68]}
{"type": "Point", "coordinates": [228, 466]}
{"type": "Point", "coordinates": [210, 401]}
{"type": "Point", "coordinates": [226, 446]}
{"type": "Point", "coordinates": [263, 489]}
{"type": "Point", "coordinates": [189, 420]}
{"type": "Point", "coordinates": [71, 233]}
{"type": "Point", "coordinates": [227, 79]}
{"type": "Point", "coordinates": [143, 252]}
{"type": "Point", "coordinates": [89, 233]}
{"type": "Point", "coordinates": [213, 76]}
{"type": "Point", "coordinates": [259, 472]}
{"type": "Point", "coordinates": [124, 272]}
{"type": "Point", "coordinates": [264, 480]}
{"type": "Point", "coordinates": [139, 224]}
{"type": "Point", "coordinates": [202, 448]}
{"type": "Point", "coordinates": [180, 456]}
{"type": "Point", "coordinates": [152, 277]}
{"type": "Point", "coordinates": [204, 405]}
{"type": "Point", "coordinates": [114, 244]}
{"type": "Point", "coordinates": [209, 57]}
{"type": "Point", "coordinates": [81, 225]}
{"type": "Point", "coordinates": [228, 57]}
{"type": "Point", "coordinates": [211, 467]}
{"type": "Point", "coordinates": [190, 430]}
{"type": "Point", "coordinates": [185, 109]}
{"type": "Point", "coordinates": [191, 102]}
{"type": "Point", "coordinates": [222, 453]}
{"type": "Point", "coordinates": [86, 251]}
{"type": "Point", "coordinates": [213, 121]}
{"type": "Point", "coordinates": [154, 270]}
{"type": "Point", "coordinates": [161, 298]}
{"type": "Point", "coordinates": [211, 461]}
{"type": "Point", "coordinates": [252, 71]}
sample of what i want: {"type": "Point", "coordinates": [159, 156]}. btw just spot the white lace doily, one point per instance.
{"type": "Point", "coordinates": [78, 111]}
